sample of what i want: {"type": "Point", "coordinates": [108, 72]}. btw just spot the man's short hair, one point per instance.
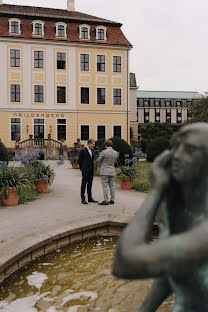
{"type": "Point", "coordinates": [90, 141]}
{"type": "Point", "coordinates": [108, 143]}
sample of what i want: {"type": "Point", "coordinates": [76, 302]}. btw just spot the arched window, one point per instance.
{"type": "Point", "coordinates": [101, 33]}
{"type": "Point", "coordinates": [14, 26]}
{"type": "Point", "coordinates": [84, 32]}
{"type": "Point", "coordinates": [38, 28]}
{"type": "Point", "coordinates": [60, 30]}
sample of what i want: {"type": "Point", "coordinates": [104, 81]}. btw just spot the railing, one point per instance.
{"type": "Point", "coordinates": [40, 143]}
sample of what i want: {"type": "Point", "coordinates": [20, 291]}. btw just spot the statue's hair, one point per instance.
{"type": "Point", "coordinates": [200, 128]}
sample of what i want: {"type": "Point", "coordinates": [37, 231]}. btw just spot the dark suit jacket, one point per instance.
{"type": "Point", "coordinates": [86, 162]}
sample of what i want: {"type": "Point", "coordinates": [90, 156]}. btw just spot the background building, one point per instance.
{"type": "Point", "coordinates": [159, 106]}
{"type": "Point", "coordinates": [63, 73]}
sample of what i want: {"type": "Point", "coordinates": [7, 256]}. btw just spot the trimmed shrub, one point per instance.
{"type": "Point", "coordinates": [99, 143]}
{"type": "Point", "coordinates": [156, 147]}
{"type": "Point", "coordinates": [4, 156]}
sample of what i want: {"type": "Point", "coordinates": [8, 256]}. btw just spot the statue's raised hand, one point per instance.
{"type": "Point", "coordinates": [160, 172]}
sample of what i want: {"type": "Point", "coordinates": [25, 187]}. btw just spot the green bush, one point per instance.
{"type": "Point", "coordinates": [123, 148]}
{"type": "Point", "coordinates": [100, 143]}
{"type": "Point", "coordinates": [4, 156]}
{"type": "Point", "coordinates": [156, 147]}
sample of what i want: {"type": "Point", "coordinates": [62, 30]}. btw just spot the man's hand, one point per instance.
{"type": "Point", "coordinates": [160, 172]}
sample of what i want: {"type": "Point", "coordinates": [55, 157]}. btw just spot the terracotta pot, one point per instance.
{"type": "Point", "coordinates": [127, 184]}
{"type": "Point", "coordinates": [41, 186]}
{"type": "Point", "coordinates": [11, 199]}
{"type": "Point", "coordinates": [75, 165]}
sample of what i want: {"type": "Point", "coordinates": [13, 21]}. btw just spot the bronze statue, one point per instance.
{"type": "Point", "coordinates": [178, 200]}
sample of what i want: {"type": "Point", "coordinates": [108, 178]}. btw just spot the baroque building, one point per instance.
{"type": "Point", "coordinates": [64, 74]}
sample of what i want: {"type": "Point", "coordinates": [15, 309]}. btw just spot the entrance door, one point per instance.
{"type": "Point", "coordinates": [38, 128]}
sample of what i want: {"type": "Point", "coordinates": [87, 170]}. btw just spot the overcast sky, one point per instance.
{"type": "Point", "coordinates": [169, 38]}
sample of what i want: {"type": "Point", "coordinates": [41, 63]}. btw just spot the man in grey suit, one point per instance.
{"type": "Point", "coordinates": [108, 158]}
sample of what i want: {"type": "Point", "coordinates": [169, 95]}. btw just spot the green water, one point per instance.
{"type": "Point", "coordinates": [76, 278]}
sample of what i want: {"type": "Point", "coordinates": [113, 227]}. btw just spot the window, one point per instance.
{"type": "Point", "coordinates": [100, 95]}
{"type": "Point", "coordinates": [117, 131]}
{"type": "Point", "coordinates": [61, 60]}
{"type": "Point", "coordinates": [15, 92]}
{"type": "Point", "coordinates": [101, 63]}
{"type": "Point", "coordinates": [84, 95]}
{"type": "Point", "coordinates": [146, 115]}
{"type": "Point", "coordinates": [14, 26]}
{"type": "Point", "coordinates": [167, 103]}
{"type": "Point", "coordinates": [100, 132]}
{"type": "Point", "coordinates": [61, 129]}
{"type": "Point", "coordinates": [84, 32]}
{"type": "Point", "coordinates": [101, 33]}
{"type": "Point", "coordinates": [168, 115]}
{"type": "Point", "coordinates": [39, 128]}
{"type": "Point", "coordinates": [116, 96]}
{"type": "Point", "coordinates": [61, 94]}
{"type": "Point", "coordinates": [39, 94]}
{"type": "Point", "coordinates": [85, 133]}
{"type": "Point", "coordinates": [60, 30]}
{"type": "Point", "coordinates": [38, 59]}
{"type": "Point", "coordinates": [117, 64]}
{"type": "Point", "coordinates": [178, 103]}
{"type": "Point", "coordinates": [146, 103]}
{"type": "Point", "coordinates": [38, 29]}
{"type": "Point", "coordinates": [179, 115]}
{"type": "Point", "coordinates": [157, 115]}
{"type": "Point", "coordinates": [14, 58]}
{"type": "Point", "coordinates": [15, 129]}
{"type": "Point", "coordinates": [157, 103]}
{"type": "Point", "coordinates": [84, 62]}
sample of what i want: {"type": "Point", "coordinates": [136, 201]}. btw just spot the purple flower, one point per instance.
{"type": "Point", "coordinates": [3, 163]}
{"type": "Point", "coordinates": [134, 159]}
{"type": "Point", "coordinates": [147, 171]}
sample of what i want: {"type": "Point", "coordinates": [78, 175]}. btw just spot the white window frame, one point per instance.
{"type": "Point", "coordinates": [80, 95]}
{"type": "Point", "coordinates": [38, 50]}
{"type": "Point", "coordinates": [60, 24]}
{"type": "Point", "coordinates": [39, 103]}
{"type": "Point", "coordinates": [10, 97]}
{"type": "Point", "coordinates": [80, 132]}
{"type": "Point", "coordinates": [57, 128]}
{"type": "Point", "coordinates": [83, 71]}
{"type": "Point", "coordinates": [121, 130]}
{"type": "Point", "coordinates": [13, 48]}
{"type": "Point", "coordinates": [101, 87]}
{"type": "Point", "coordinates": [97, 131]}
{"type": "Point", "coordinates": [80, 31]}
{"type": "Point", "coordinates": [10, 132]}
{"type": "Point", "coordinates": [33, 125]}
{"type": "Point", "coordinates": [105, 31]}
{"type": "Point", "coordinates": [113, 97]}
{"type": "Point", "coordinates": [105, 63]}
{"type": "Point", "coordinates": [61, 85]}
{"type": "Point", "coordinates": [121, 64]}
{"type": "Point", "coordinates": [38, 22]}
{"type": "Point", "coordinates": [19, 23]}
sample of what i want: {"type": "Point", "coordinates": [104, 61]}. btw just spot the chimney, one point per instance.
{"type": "Point", "coordinates": [70, 5]}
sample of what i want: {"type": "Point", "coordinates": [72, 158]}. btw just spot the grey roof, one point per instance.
{"type": "Point", "coordinates": [168, 94]}
{"type": "Point", "coordinates": [133, 83]}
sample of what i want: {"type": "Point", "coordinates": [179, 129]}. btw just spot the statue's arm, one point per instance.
{"type": "Point", "coordinates": [159, 292]}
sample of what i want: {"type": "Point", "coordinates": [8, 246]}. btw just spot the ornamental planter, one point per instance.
{"type": "Point", "coordinates": [75, 165]}
{"type": "Point", "coordinates": [11, 199]}
{"type": "Point", "coordinates": [41, 186]}
{"type": "Point", "coordinates": [126, 184]}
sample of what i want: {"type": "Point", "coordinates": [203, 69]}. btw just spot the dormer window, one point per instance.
{"type": "Point", "coordinates": [101, 33]}
{"type": "Point", "coordinates": [38, 28]}
{"type": "Point", "coordinates": [14, 26]}
{"type": "Point", "coordinates": [61, 30]}
{"type": "Point", "coordinates": [84, 32]}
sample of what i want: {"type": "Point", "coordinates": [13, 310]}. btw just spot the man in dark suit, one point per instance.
{"type": "Point", "coordinates": [86, 165]}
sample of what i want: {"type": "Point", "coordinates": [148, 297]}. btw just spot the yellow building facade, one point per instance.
{"type": "Point", "coordinates": [63, 74]}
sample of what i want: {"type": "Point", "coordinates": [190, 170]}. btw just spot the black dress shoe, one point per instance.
{"type": "Point", "coordinates": [84, 202]}
{"type": "Point", "coordinates": [111, 202]}
{"type": "Point", "coordinates": [104, 203]}
{"type": "Point", "coordinates": [91, 200]}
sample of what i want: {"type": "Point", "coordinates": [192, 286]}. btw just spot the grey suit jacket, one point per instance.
{"type": "Point", "coordinates": [108, 158]}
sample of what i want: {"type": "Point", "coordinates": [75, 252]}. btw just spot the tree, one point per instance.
{"type": "Point", "coordinates": [153, 130]}
{"type": "Point", "coordinates": [198, 111]}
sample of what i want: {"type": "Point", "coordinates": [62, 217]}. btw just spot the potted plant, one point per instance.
{"type": "Point", "coordinates": [74, 161]}
{"type": "Point", "coordinates": [126, 175]}
{"type": "Point", "coordinates": [12, 181]}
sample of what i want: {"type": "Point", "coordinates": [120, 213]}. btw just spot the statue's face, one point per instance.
{"type": "Point", "coordinates": [188, 159]}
